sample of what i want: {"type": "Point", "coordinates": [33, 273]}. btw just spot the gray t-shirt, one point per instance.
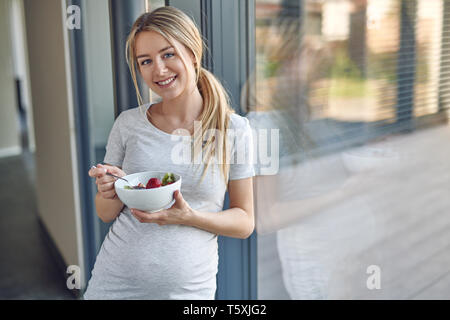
{"type": "Point", "coordinates": [147, 261]}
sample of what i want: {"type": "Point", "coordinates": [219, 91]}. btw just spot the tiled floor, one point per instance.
{"type": "Point", "coordinates": [27, 268]}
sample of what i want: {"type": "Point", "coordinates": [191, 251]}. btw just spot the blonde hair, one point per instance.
{"type": "Point", "coordinates": [173, 24]}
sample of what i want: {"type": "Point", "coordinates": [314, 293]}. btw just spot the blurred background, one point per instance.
{"type": "Point", "coordinates": [358, 206]}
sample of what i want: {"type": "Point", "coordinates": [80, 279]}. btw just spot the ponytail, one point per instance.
{"type": "Point", "coordinates": [216, 115]}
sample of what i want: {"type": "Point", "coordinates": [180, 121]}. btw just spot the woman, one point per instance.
{"type": "Point", "coordinates": [172, 254]}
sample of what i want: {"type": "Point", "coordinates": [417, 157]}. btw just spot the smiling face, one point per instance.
{"type": "Point", "coordinates": [161, 66]}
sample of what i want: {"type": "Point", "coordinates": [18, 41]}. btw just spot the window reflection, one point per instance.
{"type": "Point", "coordinates": [349, 83]}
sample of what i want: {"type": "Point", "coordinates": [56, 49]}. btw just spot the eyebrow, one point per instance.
{"type": "Point", "coordinates": [146, 55]}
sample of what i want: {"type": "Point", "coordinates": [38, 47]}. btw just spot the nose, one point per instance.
{"type": "Point", "coordinates": [160, 67]}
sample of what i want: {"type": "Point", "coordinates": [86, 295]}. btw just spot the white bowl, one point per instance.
{"type": "Point", "coordinates": [150, 200]}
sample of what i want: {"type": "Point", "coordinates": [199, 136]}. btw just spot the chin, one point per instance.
{"type": "Point", "coordinates": [169, 96]}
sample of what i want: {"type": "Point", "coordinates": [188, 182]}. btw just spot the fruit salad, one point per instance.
{"type": "Point", "coordinates": [139, 186]}
{"type": "Point", "coordinates": [152, 183]}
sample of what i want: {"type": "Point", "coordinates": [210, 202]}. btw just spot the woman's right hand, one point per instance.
{"type": "Point", "coordinates": [105, 183]}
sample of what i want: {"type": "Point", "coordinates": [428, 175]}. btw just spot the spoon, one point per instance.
{"type": "Point", "coordinates": [132, 187]}
{"type": "Point", "coordinates": [112, 175]}
{"type": "Point", "coordinates": [117, 177]}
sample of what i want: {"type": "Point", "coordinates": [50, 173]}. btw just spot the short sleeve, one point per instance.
{"type": "Point", "coordinates": [115, 148]}
{"type": "Point", "coordinates": [241, 165]}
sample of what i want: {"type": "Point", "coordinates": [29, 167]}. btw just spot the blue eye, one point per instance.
{"type": "Point", "coordinates": [146, 61]}
{"type": "Point", "coordinates": [168, 55]}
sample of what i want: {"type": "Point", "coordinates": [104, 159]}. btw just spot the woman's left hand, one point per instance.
{"type": "Point", "coordinates": [179, 213]}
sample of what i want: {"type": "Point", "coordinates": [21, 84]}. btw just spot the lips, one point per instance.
{"type": "Point", "coordinates": [166, 82]}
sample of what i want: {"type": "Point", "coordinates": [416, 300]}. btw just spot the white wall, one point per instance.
{"type": "Point", "coordinates": [9, 121]}
{"type": "Point", "coordinates": [56, 173]}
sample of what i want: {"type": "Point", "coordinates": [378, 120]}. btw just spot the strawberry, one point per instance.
{"type": "Point", "coordinates": [153, 183]}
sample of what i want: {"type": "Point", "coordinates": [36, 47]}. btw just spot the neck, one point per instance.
{"type": "Point", "coordinates": [185, 108]}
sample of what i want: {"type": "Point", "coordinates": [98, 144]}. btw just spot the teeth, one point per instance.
{"type": "Point", "coordinates": [163, 83]}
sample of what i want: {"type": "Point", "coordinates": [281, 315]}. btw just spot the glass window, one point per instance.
{"type": "Point", "coordinates": [98, 72]}
{"type": "Point", "coordinates": [347, 215]}
{"type": "Point", "coordinates": [429, 22]}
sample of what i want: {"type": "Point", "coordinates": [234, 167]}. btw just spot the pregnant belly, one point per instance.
{"type": "Point", "coordinates": [160, 255]}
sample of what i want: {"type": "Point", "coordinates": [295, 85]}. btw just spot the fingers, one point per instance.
{"type": "Point", "coordinates": [105, 179]}
{"type": "Point", "coordinates": [92, 172]}
{"type": "Point", "coordinates": [105, 184]}
{"type": "Point", "coordinates": [111, 194]}
{"type": "Point", "coordinates": [179, 200]}
{"type": "Point", "coordinates": [115, 170]}
{"type": "Point", "coordinates": [112, 169]}
{"type": "Point", "coordinates": [97, 171]}
{"type": "Point", "coordinates": [107, 190]}
{"type": "Point", "coordinates": [101, 169]}
{"type": "Point", "coordinates": [177, 195]}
